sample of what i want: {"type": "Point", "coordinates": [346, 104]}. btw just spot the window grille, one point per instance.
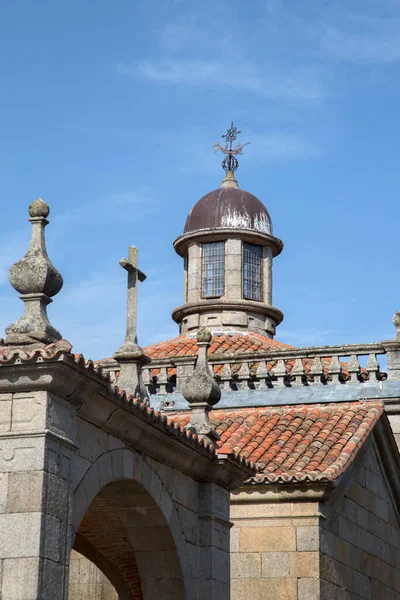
{"type": "Point", "coordinates": [252, 271]}
{"type": "Point", "coordinates": [213, 269]}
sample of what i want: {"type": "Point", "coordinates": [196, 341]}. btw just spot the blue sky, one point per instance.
{"type": "Point", "coordinates": [109, 111]}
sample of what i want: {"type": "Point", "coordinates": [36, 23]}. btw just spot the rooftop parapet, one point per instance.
{"type": "Point", "coordinates": [286, 368]}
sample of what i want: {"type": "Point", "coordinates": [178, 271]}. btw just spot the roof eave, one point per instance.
{"type": "Point", "coordinates": [182, 242]}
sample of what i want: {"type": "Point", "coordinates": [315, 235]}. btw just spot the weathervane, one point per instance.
{"type": "Point", "coordinates": [230, 162]}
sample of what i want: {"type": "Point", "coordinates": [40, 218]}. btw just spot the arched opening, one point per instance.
{"type": "Point", "coordinates": [126, 535]}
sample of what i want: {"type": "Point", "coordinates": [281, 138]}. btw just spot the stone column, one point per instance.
{"type": "Point", "coordinates": [194, 273]}
{"type": "Point", "coordinates": [214, 534]}
{"type": "Point", "coordinates": [185, 279]}
{"type": "Point", "coordinates": [37, 449]}
{"type": "Point", "coordinates": [233, 269]}
{"type": "Point", "coordinates": [267, 275]}
{"type": "Point", "coordinates": [37, 435]}
{"type": "Point", "coordinates": [393, 351]}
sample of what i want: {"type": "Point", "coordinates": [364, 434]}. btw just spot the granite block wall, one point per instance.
{"type": "Point", "coordinates": [274, 550]}
{"type": "Point", "coordinates": [360, 540]}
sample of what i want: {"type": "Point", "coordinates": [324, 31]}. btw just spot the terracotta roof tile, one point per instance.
{"type": "Point", "coordinates": [296, 443]}
{"type": "Point", "coordinates": [221, 344]}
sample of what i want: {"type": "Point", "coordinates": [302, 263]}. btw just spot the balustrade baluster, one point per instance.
{"type": "Point", "coordinates": [372, 367]}
{"type": "Point", "coordinates": [335, 369]}
{"type": "Point", "coordinates": [280, 373]}
{"type": "Point", "coordinates": [297, 372]}
{"type": "Point", "coordinates": [244, 376]}
{"type": "Point", "coordinates": [263, 374]}
{"type": "Point", "coordinates": [317, 371]}
{"type": "Point", "coordinates": [353, 368]}
{"type": "Point", "coordinates": [162, 380]}
{"type": "Point", "coordinates": [146, 376]}
{"type": "Point", "coordinates": [226, 377]}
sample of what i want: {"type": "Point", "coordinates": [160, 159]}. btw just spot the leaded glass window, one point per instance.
{"type": "Point", "coordinates": [252, 271]}
{"type": "Point", "coordinates": [213, 270]}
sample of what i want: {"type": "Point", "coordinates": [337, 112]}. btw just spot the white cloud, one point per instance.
{"type": "Point", "coordinates": [360, 31]}
{"type": "Point", "coordinates": [360, 48]}
{"type": "Point", "coordinates": [128, 206]}
{"type": "Point", "coordinates": [281, 145]}
{"type": "Point", "coordinates": [298, 84]}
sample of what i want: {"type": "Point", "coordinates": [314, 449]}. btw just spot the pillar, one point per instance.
{"type": "Point", "coordinates": [36, 440]}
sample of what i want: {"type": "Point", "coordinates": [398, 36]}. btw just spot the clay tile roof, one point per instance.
{"type": "Point", "coordinates": [226, 343]}
{"type": "Point", "coordinates": [296, 443]}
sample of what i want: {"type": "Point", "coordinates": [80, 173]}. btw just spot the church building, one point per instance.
{"type": "Point", "coordinates": [220, 464]}
{"type": "Point", "coordinates": [320, 519]}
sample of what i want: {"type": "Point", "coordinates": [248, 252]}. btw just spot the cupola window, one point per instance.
{"type": "Point", "coordinates": [213, 270]}
{"type": "Point", "coordinates": [252, 271]}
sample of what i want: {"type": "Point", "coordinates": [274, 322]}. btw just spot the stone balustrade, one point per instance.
{"type": "Point", "coordinates": [325, 365]}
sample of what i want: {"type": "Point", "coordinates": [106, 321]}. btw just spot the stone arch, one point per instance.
{"type": "Point", "coordinates": [125, 522]}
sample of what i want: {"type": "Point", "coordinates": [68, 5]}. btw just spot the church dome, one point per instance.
{"type": "Point", "coordinates": [229, 208]}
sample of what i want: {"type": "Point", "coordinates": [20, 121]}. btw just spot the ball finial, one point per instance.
{"type": "Point", "coordinates": [204, 335]}
{"type": "Point", "coordinates": [38, 208]}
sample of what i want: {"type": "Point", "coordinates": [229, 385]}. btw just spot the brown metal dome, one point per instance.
{"type": "Point", "coordinates": [229, 208]}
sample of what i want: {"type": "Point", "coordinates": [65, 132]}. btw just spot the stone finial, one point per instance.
{"type": "Point", "coordinates": [37, 280]}
{"type": "Point", "coordinates": [130, 355]}
{"type": "Point", "coordinates": [201, 390]}
{"type": "Point", "coordinates": [230, 180]}
{"type": "Point", "coordinates": [396, 323]}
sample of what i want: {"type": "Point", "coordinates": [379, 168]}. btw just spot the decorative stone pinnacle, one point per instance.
{"type": "Point", "coordinates": [396, 323]}
{"type": "Point", "coordinates": [201, 390]}
{"type": "Point", "coordinates": [37, 280]}
{"type": "Point", "coordinates": [130, 355]}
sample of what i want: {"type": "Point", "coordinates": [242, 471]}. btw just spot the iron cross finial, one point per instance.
{"type": "Point", "coordinates": [230, 162]}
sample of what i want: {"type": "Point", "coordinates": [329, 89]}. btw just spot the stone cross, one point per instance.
{"type": "Point", "coordinates": [134, 274]}
{"type": "Point", "coordinates": [130, 356]}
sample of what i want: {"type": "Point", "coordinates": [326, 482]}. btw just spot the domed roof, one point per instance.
{"type": "Point", "coordinates": [229, 207]}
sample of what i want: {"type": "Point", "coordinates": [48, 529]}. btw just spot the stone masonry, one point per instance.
{"type": "Point", "coordinates": [311, 544]}
{"type": "Point", "coordinates": [87, 582]}
{"type": "Point", "coordinates": [65, 446]}
{"type": "Point", "coordinates": [85, 467]}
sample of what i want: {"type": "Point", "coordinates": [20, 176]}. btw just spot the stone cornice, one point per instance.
{"type": "Point", "coordinates": [209, 235]}
{"type": "Point", "coordinates": [309, 492]}
{"type": "Point", "coordinates": [229, 305]}
{"type": "Point", "coordinates": [56, 370]}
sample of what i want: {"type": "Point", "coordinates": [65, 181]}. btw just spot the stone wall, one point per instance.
{"type": "Point", "coordinates": [274, 549]}
{"type": "Point", "coordinates": [230, 309]}
{"type": "Point", "coordinates": [360, 540]}
{"type": "Point", "coordinates": [347, 548]}
{"type": "Point", "coordinates": [87, 582]}
{"type": "Point", "coordinates": [162, 531]}
{"type": "Point", "coordinates": [153, 529]}
{"type": "Point", "coordinates": [394, 420]}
